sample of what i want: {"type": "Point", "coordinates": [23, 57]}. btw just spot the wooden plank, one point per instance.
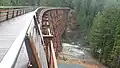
{"type": "Point", "coordinates": [47, 36]}
{"type": "Point", "coordinates": [35, 53]}
{"type": "Point", "coordinates": [49, 31]}
{"type": "Point", "coordinates": [36, 25]}
{"type": "Point", "coordinates": [53, 54]}
{"type": "Point", "coordinates": [12, 32]}
{"type": "Point", "coordinates": [32, 60]}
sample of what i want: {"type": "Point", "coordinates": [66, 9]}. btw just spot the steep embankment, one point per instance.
{"type": "Point", "coordinates": [72, 33]}
{"type": "Point", "coordinates": [73, 54]}
{"type": "Point", "coordinates": [73, 50]}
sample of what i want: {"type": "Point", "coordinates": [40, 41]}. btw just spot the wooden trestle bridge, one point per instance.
{"type": "Point", "coordinates": [37, 31]}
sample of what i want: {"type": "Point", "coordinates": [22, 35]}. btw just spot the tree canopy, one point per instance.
{"type": "Point", "coordinates": [105, 36]}
{"type": "Point", "coordinates": [19, 2]}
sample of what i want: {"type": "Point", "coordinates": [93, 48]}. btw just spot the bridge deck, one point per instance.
{"type": "Point", "coordinates": [15, 30]}
{"type": "Point", "coordinates": [10, 29]}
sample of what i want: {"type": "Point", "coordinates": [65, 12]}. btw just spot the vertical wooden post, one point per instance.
{"type": "Point", "coordinates": [36, 25]}
{"type": "Point", "coordinates": [17, 13]}
{"type": "Point", "coordinates": [32, 52]}
{"type": "Point", "coordinates": [13, 13]}
{"type": "Point", "coordinates": [51, 59]}
{"type": "Point", "coordinates": [0, 16]}
{"type": "Point", "coordinates": [7, 15]}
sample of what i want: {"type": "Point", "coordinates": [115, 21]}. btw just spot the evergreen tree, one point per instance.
{"type": "Point", "coordinates": [105, 35]}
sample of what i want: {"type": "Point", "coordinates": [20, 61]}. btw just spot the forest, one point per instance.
{"type": "Point", "coordinates": [99, 22]}
{"type": "Point", "coordinates": [19, 2]}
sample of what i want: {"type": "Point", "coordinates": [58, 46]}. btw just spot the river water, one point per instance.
{"type": "Point", "coordinates": [78, 54]}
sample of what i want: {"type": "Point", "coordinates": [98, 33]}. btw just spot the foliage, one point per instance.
{"type": "Point", "coordinates": [5, 2]}
{"type": "Point", "coordinates": [19, 2]}
{"type": "Point", "coordinates": [86, 11]}
{"type": "Point", "coordinates": [105, 36]}
{"type": "Point", "coordinates": [57, 3]}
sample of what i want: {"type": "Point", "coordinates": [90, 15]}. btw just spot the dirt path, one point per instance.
{"type": "Point", "coordinates": [72, 55]}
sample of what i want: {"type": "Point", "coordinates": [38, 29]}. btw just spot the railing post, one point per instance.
{"type": "Point", "coordinates": [32, 53]}
{"type": "Point", "coordinates": [17, 13]}
{"type": "Point", "coordinates": [13, 14]}
{"type": "Point", "coordinates": [20, 11]}
{"type": "Point", "coordinates": [7, 15]}
{"type": "Point", "coordinates": [36, 25]}
{"type": "Point", "coordinates": [0, 16]}
{"type": "Point", "coordinates": [51, 58]}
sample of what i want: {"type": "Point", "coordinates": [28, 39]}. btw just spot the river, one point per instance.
{"type": "Point", "coordinates": [77, 54]}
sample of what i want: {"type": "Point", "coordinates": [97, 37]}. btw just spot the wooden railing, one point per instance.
{"type": "Point", "coordinates": [53, 22]}
{"type": "Point", "coordinates": [11, 12]}
{"type": "Point", "coordinates": [25, 37]}
{"type": "Point", "coordinates": [42, 29]}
